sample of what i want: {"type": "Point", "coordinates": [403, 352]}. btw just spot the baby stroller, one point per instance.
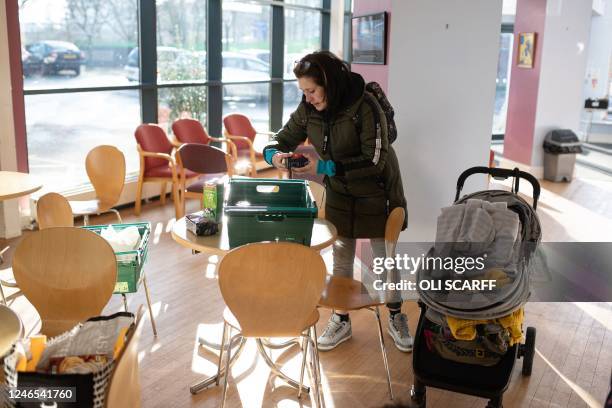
{"type": "Point", "coordinates": [486, 381]}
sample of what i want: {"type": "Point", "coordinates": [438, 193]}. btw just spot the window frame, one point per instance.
{"type": "Point", "coordinates": [506, 28]}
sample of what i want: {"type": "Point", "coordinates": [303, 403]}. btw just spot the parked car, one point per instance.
{"type": "Point", "coordinates": [31, 64]}
{"type": "Point", "coordinates": [56, 56]}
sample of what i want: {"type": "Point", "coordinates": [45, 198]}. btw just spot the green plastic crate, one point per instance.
{"type": "Point", "coordinates": [269, 210]}
{"type": "Point", "coordinates": [129, 263]}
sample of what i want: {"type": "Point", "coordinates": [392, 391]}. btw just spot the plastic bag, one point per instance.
{"type": "Point", "coordinates": [124, 240]}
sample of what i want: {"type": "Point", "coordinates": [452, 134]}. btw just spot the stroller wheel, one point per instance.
{"type": "Point", "coordinates": [418, 399]}
{"type": "Point", "coordinates": [529, 351]}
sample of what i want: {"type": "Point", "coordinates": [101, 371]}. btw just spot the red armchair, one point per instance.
{"type": "Point", "coordinates": [238, 129]}
{"type": "Point", "coordinates": [157, 164]}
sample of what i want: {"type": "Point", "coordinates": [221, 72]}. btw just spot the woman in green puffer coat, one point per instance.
{"type": "Point", "coordinates": [362, 175]}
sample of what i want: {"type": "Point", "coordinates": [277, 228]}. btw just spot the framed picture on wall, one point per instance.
{"type": "Point", "coordinates": [370, 39]}
{"type": "Point", "coordinates": [526, 49]}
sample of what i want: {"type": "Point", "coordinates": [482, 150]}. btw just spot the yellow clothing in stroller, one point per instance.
{"type": "Point", "coordinates": [463, 329]}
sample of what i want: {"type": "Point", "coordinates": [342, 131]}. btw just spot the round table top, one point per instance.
{"type": "Point", "coordinates": [14, 184]}
{"type": "Point", "coordinates": [10, 329]}
{"type": "Point", "coordinates": [323, 235]}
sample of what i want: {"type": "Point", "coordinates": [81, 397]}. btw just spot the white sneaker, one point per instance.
{"type": "Point", "coordinates": [335, 333]}
{"type": "Point", "coordinates": [398, 330]}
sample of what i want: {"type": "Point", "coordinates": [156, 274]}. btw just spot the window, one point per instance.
{"type": "Point", "coordinates": [246, 43]}
{"type": "Point", "coordinates": [302, 36]}
{"type": "Point", "coordinates": [502, 83]}
{"type": "Point", "coordinates": [77, 43]}
{"type": "Point", "coordinates": [62, 128]}
{"type": "Point", "coordinates": [308, 3]}
{"type": "Point", "coordinates": [95, 69]}
{"type": "Point", "coordinates": [504, 67]}
{"type": "Point", "coordinates": [181, 41]}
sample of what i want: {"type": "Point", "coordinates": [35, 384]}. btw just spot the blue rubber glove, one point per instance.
{"type": "Point", "coordinates": [327, 167]}
{"type": "Point", "coordinates": [269, 153]}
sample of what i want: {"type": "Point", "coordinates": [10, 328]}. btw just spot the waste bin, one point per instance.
{"type": "Point", "coordinates": [560, 149]}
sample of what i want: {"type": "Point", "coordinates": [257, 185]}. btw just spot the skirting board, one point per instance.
{"type": "Point", "coordinates": [537, 172]}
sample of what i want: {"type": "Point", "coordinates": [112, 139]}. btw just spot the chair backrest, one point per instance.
{"type": "Point", "coordinates": [105, 167]}
{"type": "Point", "coordinates": [203, 159]}
{"type": "Point", "coordinates": [190, 131]}
{"type": "Point", "coordinates": [67, 274]}
{"type": "Point", "coordinates": [236, 124]}
{"type": "Point", "coordinates": [53, 210]}
{"type": "Point", "coordinates": [124, 384]}
{"type": "Point", "coordinates": [152, 138]}
{"type": "Point", "coordinates": [272, 288]}
{"type": "Point", "coordinates": [393, 227]}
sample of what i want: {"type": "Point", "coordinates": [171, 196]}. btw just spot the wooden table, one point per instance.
{"type": "Point", "coordinates": [324, 234]}
{"type": "Point", "coordinates": [10, 329]}
{"type": "Point", "coordinates": [13, 185]}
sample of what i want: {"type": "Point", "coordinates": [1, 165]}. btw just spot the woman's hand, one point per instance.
{"type": "Point", "coordinates": [279, 160]}
{"type": "Point", "coordinates": [310, 168]}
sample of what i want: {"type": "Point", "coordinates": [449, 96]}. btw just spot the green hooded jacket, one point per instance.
{"type": "Point", "coordinates": [367, 184]}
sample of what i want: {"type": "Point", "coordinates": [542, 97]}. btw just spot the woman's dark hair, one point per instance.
{"type": "Point", "coordinates": [328, 71]}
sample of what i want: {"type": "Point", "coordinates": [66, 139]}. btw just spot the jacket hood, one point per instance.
{"type": "Point", "coordinates": [350, 98]}
{"type": "Point", "coordinates": [355, 92]}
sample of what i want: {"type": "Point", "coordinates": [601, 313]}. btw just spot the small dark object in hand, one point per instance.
{"type": "Point", "coordinates": [201, 223]}
{"type": "Point", "coordinates": [297, 160]}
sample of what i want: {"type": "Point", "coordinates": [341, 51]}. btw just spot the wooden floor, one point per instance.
{"type": "Point", "coordinates": [574, 345]}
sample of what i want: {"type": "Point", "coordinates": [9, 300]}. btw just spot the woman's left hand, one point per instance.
{"type": "Point", "coordinates": [310, 168]}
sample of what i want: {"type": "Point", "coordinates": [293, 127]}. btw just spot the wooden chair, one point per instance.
{"type": "Point", "coordinates": [157, 164]}
{"type": "Point", "coordinates": [124, 384]}
{"type": "Point", "coordinates": [350, 294]}
{"type": "Point", "coordinates": [105, 167]}
{"type": "Point", "coordinates": [211, 163]}
{"type": "Point", "coordinates": [238, 129]}
{"type": "Point", "coordinates": [271, 290]}
{"type": "Point", "coordinates": [67, 274]}
{"type": "Point", "coordinates": [52, 210]}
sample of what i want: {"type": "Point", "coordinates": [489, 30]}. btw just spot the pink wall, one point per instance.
{"type": "Point", "coordinates": [378, 73]}
{"type": "Point", "coordinates": [524, 84]}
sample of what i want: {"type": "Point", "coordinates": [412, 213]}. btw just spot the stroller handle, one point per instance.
{"type": "Point", "coordinates": [500, 173]}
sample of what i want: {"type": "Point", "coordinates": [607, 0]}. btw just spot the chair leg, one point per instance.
{"type": "Point", "coordinates": [117, 214]}
{"type": "Point", "coordinates": [162, 194]}
{"type": "Point", "coordinates": [138, 203]}
{"type": "Point", "coordinates": [177, 201]}
{"type": "Point", "coordinates": [305, 344]}
{"type": "Point", "coordinates": [319, 401]}
{"type": "Point", "coordinates": [146, 288]}
{"type": "Point", "coordinates": [227, 367]}
{"type": "Point", "coordinates": [2, 295]}
{"type": "Point", "coordinates": [253, 171]}
{"type": "Point", "coordinates": [383, 350]}
{"type": "Point", "coordinates": [223, 339]}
